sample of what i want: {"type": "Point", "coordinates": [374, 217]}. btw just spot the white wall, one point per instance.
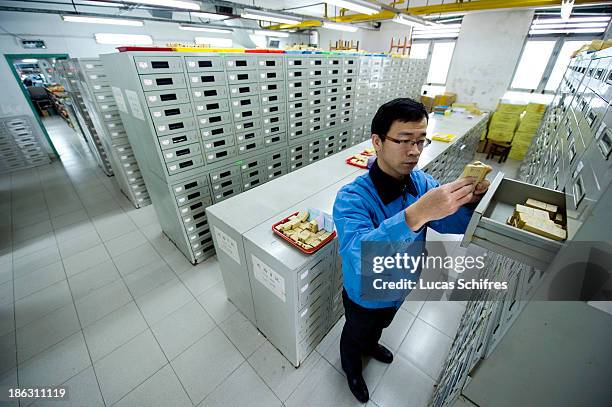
{"type": "Point", "coordinates": [369, 40]}
{"type": "Point", "coordinates": [486, 54]}
{"type": "Point", "coordinates": [77, 40]}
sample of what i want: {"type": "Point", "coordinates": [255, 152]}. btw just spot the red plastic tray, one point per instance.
{"type": "Point", "coordinates": [264, 51]}
{"type": "Point", "coordinates": [349, 162]}
{"type": "Point", "coordinates": [130, 48]}
{"type": "Point", "coordinates": [292, 243]}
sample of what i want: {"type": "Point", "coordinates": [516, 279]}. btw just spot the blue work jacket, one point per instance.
{"type": "Point", "coordinates": [371, 208]}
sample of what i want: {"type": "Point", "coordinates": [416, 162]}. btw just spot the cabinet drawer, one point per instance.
{"type": "Point", "coordinates": [204, 63]}
{"type": "Point", "coordinates": [273, 109]}
{"type": "Point", "coordinates": [245, 125]}
{"type": "Point", "coordinates": [245, 103]}
{"type": "Point", "coordinates": [274, 129]}
{"type": "Point", "coordinates": [207, 79]}
{"type": "Point", "coordinates": [165, 127]}
{"type": "Point", "coordinates": [250, 145]}
{"type": "Point", "coordinates": [218, 143]}
{"type": "Point", "coordinates": [317, 83]}
{"type": "Point", "coordinates": [215, 119]}
{"type": "Point", "coordinates": [272, 98]}
{"type": "Point", "coordinates": [243, 62]}
{"type": "Point", "coordinates": [158, 64]}
{"type": "Point", "coordinates": [183, 187]}
{"type": "Point", "coordinates": [219, 175]}
{"type": "Point", "coordinates": [298, 128]}
{"type": "Point", "coordinates": [243, 90]}
{"type": "Point", "coordinates": [270, 62]}
{"type": "Point", "coordinates": [216, 131]}
{"type": "Point", "coordinates": [239, 77]}
{"type": "Point", "coordinates": [171, 112]}
{"type": "Point", "coordinates": [179, 166]}
{"type": "Point", "coordinates": [211, 106]}
{"type": "Point", "coordinates": [220, 155]}
{"type": "Point", "coordinates": [225, 184]}
{"type": "Point", "coordinates": [192, 196]}
{"type": "Point", "coordinates": [271, 75]}
{"type": "Point", "coordinates": [212, 93]}
{"type": "Point", "coordinates": [183, 152]}
{"type": "Point", "coordinates": [248, 136]}
{"type": "Point", "coordinates": [162, 81]}
{"type": "Point", "coordinates": [167, 97]}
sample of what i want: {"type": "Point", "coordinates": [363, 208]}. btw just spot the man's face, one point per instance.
{"type": "Point", "coordinates": [399, 159]}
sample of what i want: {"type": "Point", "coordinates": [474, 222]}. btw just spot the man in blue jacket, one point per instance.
{"type": "Point", "coordinates": [393, 202]}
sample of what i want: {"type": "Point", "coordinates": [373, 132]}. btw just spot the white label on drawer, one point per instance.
{"type": "Point", "coordinates": [269, 278]}
{"type": "Point", "coordinates": [157, 114]}
{"type": "Point", "coordinates": [108, 116]}
{"type": "Point", "coordinates": [134, 103]}
{"type": "Point", "coordinates": [169, 155]}
{"type": "Point", "coordinates": [200, 107]}
{"type": "Point", "coordinates": [227, 244]}
{"type": "Point", "coordinates": [173, 167]}
{"type": "Point", "coordinates": [192, 64]}
{"type": "Point", "coordinates": [166, 142]}
{"type": "Point", "coordinates": [194, 79]}
{"type": "Point", "coordinates": [143, 65]}
{"type": "Point", "coordinates": [304, 288]}
{"type": "Point", "coordinates": [197, 94]}
{"type": "Point", "coordinates": [148, 82]}
{"type": "Point", "coordinates": [161, 128]}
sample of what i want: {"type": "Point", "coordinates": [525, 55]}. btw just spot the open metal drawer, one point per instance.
{"type": "Point", "coordinates": [488, 227]}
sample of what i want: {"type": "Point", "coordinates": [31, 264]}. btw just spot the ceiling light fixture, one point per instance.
{"type": "Point", "coordinates": [251, 14]}
{"type": "Point", "coordinates": [339, 27]}
{"type": "Point", "coordinates": [188, 27]}
{"type": "Point", "coordinates": [209, 16]}
{"type": "Point", "coordinates": [568, 25]}
{"type": "Point", "coordinates": [186, 5]}
{"type": "Point", "coordinates": [123, 39]}
{"type": "Point", "coordinates": [568, 31]}
{"type": "Point", "coordinates": [271, 33]}
{"type": "Point", "coordinates": [544, 21]}
{"type": "Point", "coordinates": [214, 42]}
{"type": "Point", "coordinates": [404, 21]}
{"type": "Point", "coordinates": [29, 61]}
{"type": "Point", "coordinates": [102, 20]}
{"type": "Point", "coordinates": [358, 6]}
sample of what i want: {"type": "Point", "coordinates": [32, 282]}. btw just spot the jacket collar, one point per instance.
{"type": "Point", "coordinates": [389, 188]}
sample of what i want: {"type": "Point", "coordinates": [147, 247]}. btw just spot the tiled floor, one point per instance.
{"type": "Point", "coordinates": [95, 298]}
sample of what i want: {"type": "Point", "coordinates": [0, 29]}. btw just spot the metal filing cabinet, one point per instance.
{"type": "Point", "coordinates": [19, 146]}
{"type": "Point", "coordinates": [103, 110]}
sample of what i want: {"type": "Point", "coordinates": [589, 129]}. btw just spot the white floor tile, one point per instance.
{"type": "Point", "coordinates": [8, 353]}
{"type": "Point", "coordinates": [93, 278]}
{"type": "Point", "coordinates": [213, 354]}
{"type": "Point", "coordinates": [162, 301]}
{"type": "Point", "coordinates": [242, 387]}
{"type": "Point", "coordinates": [242, 333]}
{"type": "Point", "coordinates": [182, 328]}
{"type": "Point", "coordinates": [278, 373]}
{"type": "Point", "coordinates": [125, 243]}
{"type": "Point", "coordinates": [215, 302]}
{"type": "Point", "coordinates": [79, 244]}
{"type": "Point", "coordinates": [41, 303]}
{"type": "Point", "coordinates": [403, 385]}
{"type": "Point", "coordinates": [113, 330]}
{"type": "Point", "coordinates": [160, 390]}
{"type": "Point", "coordinates": [148, 278]}
{"type": "Point", "coordinates": [39, 279]}
{"type": "Point", "coordinates": [32, 262]}
{"type": "Point", "coordinates": [85, 259]}
{"type": "Point", "coordinates": [102, 302]}
{"type": "Point", "coordinates": [202, 277]}
{"type": "Point", "coordinates": [393, 336]}
{"type": "Point", "coordinates": [128, 366]}
{"type": "Point", "coordinates": [443, 315]}
{"type": "Point", "coordinates": [82, 389]}
{"type": "Point", "coordinates": [136, 258]}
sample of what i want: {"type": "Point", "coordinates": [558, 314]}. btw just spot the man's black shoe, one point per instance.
{"type": "Point", "coordinates": [358, 388]}
{"type": "Point", "coordinates": [382, 354]}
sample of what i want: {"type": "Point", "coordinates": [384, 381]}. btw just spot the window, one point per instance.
{"type": "Point", "coordinates": [532, 64]}
{"type": "Point", "coordinates": [440, 62]}
{"type": "Point", "coordinates": [419, 50]}
{"type": "Point", "coordinates": [563, 60]}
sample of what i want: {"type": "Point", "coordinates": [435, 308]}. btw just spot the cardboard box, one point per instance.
{"type": "Point", "coordinates": [445, 99]}
{"type": "Point", "coordinates": [428, 102]}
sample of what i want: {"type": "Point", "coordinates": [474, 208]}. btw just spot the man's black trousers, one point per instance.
{"type": "Point", "coordinates": [361, 332]}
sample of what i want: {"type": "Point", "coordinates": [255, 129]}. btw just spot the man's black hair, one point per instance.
{"type": "Point", "coordinates": [401, 110]}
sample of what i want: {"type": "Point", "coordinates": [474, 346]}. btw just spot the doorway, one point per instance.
{"type": "Point", "coordinates": [39, 82]}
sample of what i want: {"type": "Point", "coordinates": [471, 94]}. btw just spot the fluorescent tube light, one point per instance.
{"type": "Point", "coordinates": [340, 27]}
{"type": "Point", "coordinates": [187, 27]}
{"type": "Point", "coordinates": [568, 31]}
{"type": "Point", "coordinates": [571, 20]}
{"type": "Point", "coordinates": [271, 33]}
{"type": "Point", "coordinates": [267, 16]}
{"type": "Point", "coordinates": [209, 16]}
{"type": "Point", "coordinates": [214, 42]}
{"type": "Point", "coordinates": [187, 5]}
{"type": "Point", "coordinates": [29, 61]}
{"type": "Point", "coordinates": [568, 26]}
{"type": "Point", "coordinates": [102, 20]}
{"type": "Point", "coordinates": [566, 9]}
{"type": "Point", "coordinates": [433, 36]}
{"type": "Point", "coordinates": [356, 5]}
{"type": "Point", "coordinates": [123, 39]}
{"type": "Point", "coordinates": [404, 21]}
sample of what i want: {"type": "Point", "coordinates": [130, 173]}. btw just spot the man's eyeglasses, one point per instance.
{"type": "Point", "coordinates": [420, 144]}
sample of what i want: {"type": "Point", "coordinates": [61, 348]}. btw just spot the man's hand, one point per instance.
{"type": "Point", "coordinates": [480, 190]}
{"type": "Point", "coordinates": [440, 202]}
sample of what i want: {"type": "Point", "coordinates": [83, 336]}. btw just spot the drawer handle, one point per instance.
{"type": "Point", "coordinates": [578, 190]}
{"type": "Point", "coordinates": [605, 144]}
